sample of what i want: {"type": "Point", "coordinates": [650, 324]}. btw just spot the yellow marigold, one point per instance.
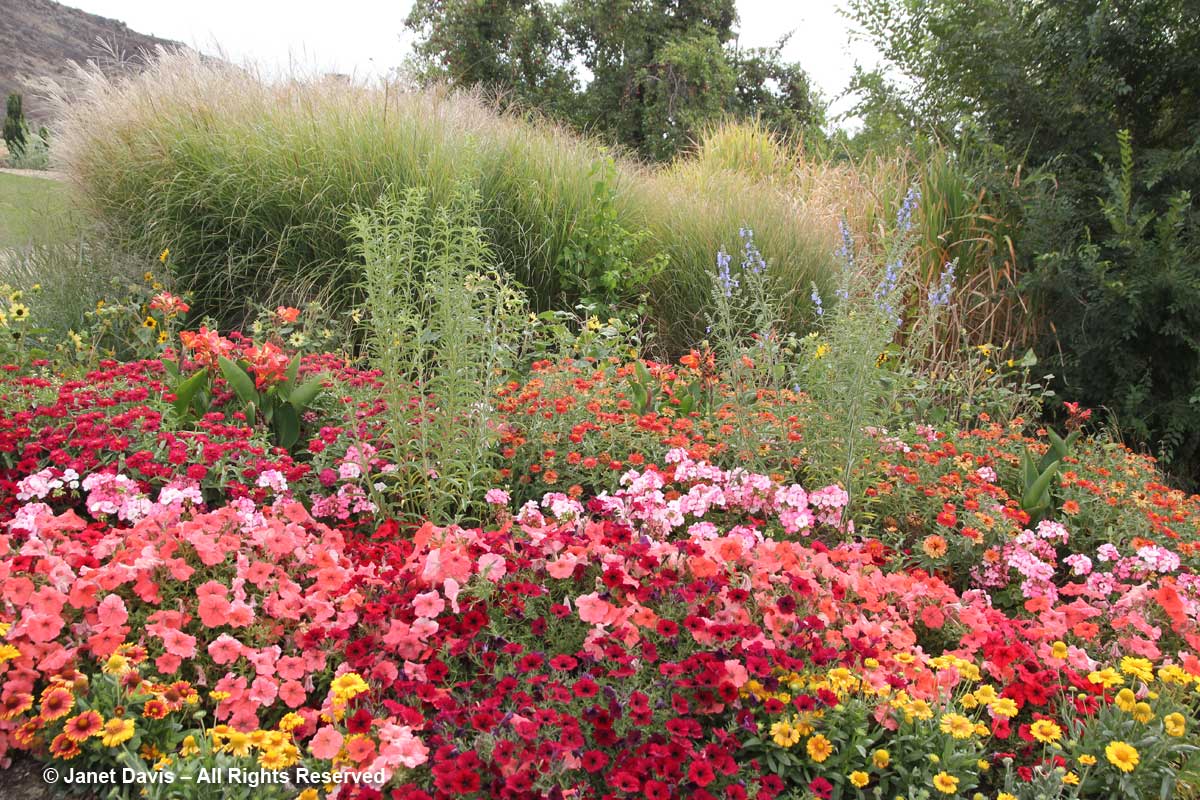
{"type": "Point", "coordinates": [1175, 724]}
{"type": "Point", "coordinates": [945, 783]}
{"type": "Point", "coordinates": [1121, 755]}
{"type": "Point", "coordinates": [1071, 779]}
{"type": "Point", "coordinates": [8, 652]}
{"type": "Point", "coordinates": [1143, 713]}
{"type": "Point", "coordinates": [819, 748]}
{"type": "Point", "coordinates": [117, 731]}
{"type": "Point", "coordinates": [1045, 731]}
{"type": "Point", "coordinates": [859, 779]}
{"type": "Point", "coordinates": [1087, 760]}
{"type": "Point", "coordinates": [1006, 796]}
{"type": "Point", "coordinates": [881, 759]}
{"type": "Point", "coordinates": [1125, 700]}
{"type": "Point", "coordinates": [957, 726]}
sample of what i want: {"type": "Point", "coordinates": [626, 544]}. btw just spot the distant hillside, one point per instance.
{"type": "Point", "coordinates": [39, 37]}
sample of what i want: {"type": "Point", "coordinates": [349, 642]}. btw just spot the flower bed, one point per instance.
{"type": "Point", "coordinates": [633, 621]}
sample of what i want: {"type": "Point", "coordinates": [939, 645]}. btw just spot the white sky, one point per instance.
{"type": "Point", "coordinates": [367, 37]}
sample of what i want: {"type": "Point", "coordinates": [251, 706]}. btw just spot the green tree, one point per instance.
{"type": "Point", "coordinates": [14, 126]}
{"type": "Point", "coordinates": [646, 74]}
{"type": "Point", "coordinates": [1071, 88]}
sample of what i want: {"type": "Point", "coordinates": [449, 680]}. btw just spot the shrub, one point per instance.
{"type": "Point", "coordinates": [14, 126]}
{"type": "Point", "coordinates": [256, 205]}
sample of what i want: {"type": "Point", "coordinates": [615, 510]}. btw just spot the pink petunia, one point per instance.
{"type": "Point", "coordinates": [326, 744]}
{"type": "Point", "coordinates": [428, 604]}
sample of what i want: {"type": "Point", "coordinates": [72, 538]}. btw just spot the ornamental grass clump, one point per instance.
{"type": "Point", "coordinates": [256, 201]}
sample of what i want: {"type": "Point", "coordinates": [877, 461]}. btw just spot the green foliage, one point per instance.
{"type": "Point", "coordinates": [1052, 83]}
{"type": "Point", "coordinates": [277, 404]}
{"type": "Point", "coordinates": [34, 153]}
{"type": "Point", "coordinates": [1128, 300]}
{"type": "Point", "coordinates": [444, 329]}
{"type": "Point", "coordinates": [601, 263]}
{"type": "Point", "coordinates": [14, 126]}
{"type": "Point", "coordinates": [656, 71]}
{"type": "Point", "coordinates": [1039, 478]}
{"type": "Point", "coordinates": [256, 209]}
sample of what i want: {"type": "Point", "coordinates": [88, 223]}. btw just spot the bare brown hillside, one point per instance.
{"type": "Point", "coordinates": [39, 37]}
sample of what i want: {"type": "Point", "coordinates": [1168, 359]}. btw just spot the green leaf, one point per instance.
{"type": "Point", "coordinates": [306, 392]}
{"type": "Point", "coordinates": [1037, 495]}
{"type": "Point", "coordinates": [239, 379]}
{"type": "Point", "coordinates": [171, 367]}
{"type": "Point", "coordinates": [186, 391]}
{"type": "Point", "coordinates": [286, 425]}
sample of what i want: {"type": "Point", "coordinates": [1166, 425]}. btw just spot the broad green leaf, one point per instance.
{"type": "Point", "coordinates": [286, 425]}
{"type": "Point", "coordinates": [306, 392]}
{"type": "Point", "coordinates": [240, 380]}
{"type": "Point", "coordinates": [186, 391]}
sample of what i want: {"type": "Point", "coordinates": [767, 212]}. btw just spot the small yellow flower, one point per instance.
{"type": "Point", "coordinates": [189, 746]}
{"type": "Point", "coordinates": [312, 794]}
{"type": "Point", "coordinates": [945, 783]}
{"type": "Point", "coordinates": [1004, 707]}
{"type": "Point", "coordinates": [1143, 713]}
{"type": "Point", "coordinates": [116, 731]}
{"type": "Point", "coordinates": [8, 653]}
{"type": "Point", "coordinates": [1006, 796]}
{"type": "Point", "coordinates": [859, 779]}
{"type": "Point", "coordinates": [821, 351]}
{"type": "Point", "coordinates": [237, 743]}
{"type": "Point", "coordinates": [1175, 724]}
{"type": "Point", "coordinates": [1059, 650]}
{"type": "Point", "coordinates": [1121, 755]}
{"type": "Point", "coordinates": [18, 312]}
{"type": "Point", "coordinates": [1087, 760]}
{"type": "Point", "coordinates": [1107, 677]}
{"type": "Point", "coordinates": [784, 735]}
{"type": "Point", "coordinates": [1126, 700]}
{"type": "Point", "coordinates": [1045, 731]}
{"type": "Point", "coordinates": [819, 748]}
{"type": "Point", "coordinates": [162, 257]}
{"type": "Point", "coordinates": [1071, 779]}
{"type": "Point", "coordinates": [957, 726]}
{"type": "Point", "coordinates": [348, 685]}
{"type": "Point", "coordinates": [881, 759]}
{"type": "Point", "coordinates": [290, 721]}
{"type": "Point", "coordinates": [150, 322]}
{"type": "Point", "coordinates": [116, 664]}
{"type": "Point", "coordinates": [1139, 668]}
